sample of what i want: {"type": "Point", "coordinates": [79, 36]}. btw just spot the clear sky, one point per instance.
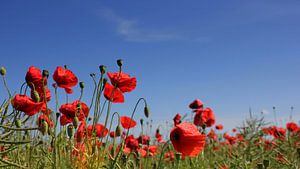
{"type": "Point", "coordinates": [231, 54]}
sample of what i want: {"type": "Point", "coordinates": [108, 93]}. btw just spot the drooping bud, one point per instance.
{"type": "Point", "coordinates": [142, 121]}
{"type": "Point", "coordinates": [120, 62]}
{"type": "Point", "coordinates": [266, 163]}
{"type": "Point", "coordinates": [118, 131]}
{"type": "Point", "coordinates": [102, 69]}
{"type": "Point", "coordinates": [81, 84]}
{"type": "Point", "coordinates": [36, 96]}
{"type": "Point", "coordinates": [18, 123]}
{"type": "Point", "coordinates": [44, 127]}
{"type": "Point", "coordinates": [146, 111]}
{"type": "Point", "coordinates": [70, 131]}
{"type": "Point", "coordinates": [2, 71]}
{"type": "Point", "coordinates": [75, 122]}
{"type": "Point", "coordinates": [45, 73]}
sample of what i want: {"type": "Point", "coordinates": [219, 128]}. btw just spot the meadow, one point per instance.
{"type": "Point", "coordinates": [69, 135]}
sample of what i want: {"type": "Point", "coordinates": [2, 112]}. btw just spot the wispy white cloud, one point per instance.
{"type": "Point", "coordinates": [130, 30]}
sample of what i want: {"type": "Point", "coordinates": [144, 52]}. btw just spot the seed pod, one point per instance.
{"type": "Point", "coordinates": [18, 123]}
{"type": "Point", "coordinates": [146, 111]}
{"type": "Point", "coordinates": [36, 96]}
{"type": "Point", "coordinates": [118, 131]}
{"type": "Point", "coordinates": [44, 127]}
{"type": "Point", "coordinates": [81, 84]}
{"type": "Point", "coordinates": [2, 71]}
{"type": "Point", "coordinates": [75, 122]}
{"type": "Point", "coordinates": [70, 131]}
{"type": "Point", "coordinates": [102, 69]}
{"type": "Point", "coordinates": [120, 62]}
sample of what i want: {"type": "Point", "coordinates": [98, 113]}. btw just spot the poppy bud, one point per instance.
{"type": "Point", "coordinates": [65, 66]}
{"type": "Point", "coordinates": [36, 96]}
{"type": "Point", "coordinates": [57, 115]}
{"type": "Point", "coordinates": [45, 73]}
{"type": "Point", "coordinates": [78, 107]}
{"type": "Point", "coordinates": [157, 131]}
{"type": "Point", "coordinates": [2, 71]}
{"type": "Point", "coordinates": [18, 123]}
{"type": "Point", "coordinates": [118, 131]}
{"type": "Point", "coordinates": [120, 62]}
{"type": "Point", "coordinates": [70, 131]}
{"type": "Point", "coordinates": [44, 127]}
{"type": "Point", "coordinates": [266, 163]}
{"type": "Point", "coordinates": [89, 119]}
{"type": "Point", "coordinates": [260, 166]}
{"type": "Point", "coordinates": [102, 69]}
{"type": "Point", "coordinates": [92, 74]}
{"type": "Point", "coordinates": [81, 84]}
{"type": "Point", "coordinates": [146, 111]}
{"type": "Point", "coordinates": [142, 121]}
{"type": "Point", "coordinates": [75, 122]}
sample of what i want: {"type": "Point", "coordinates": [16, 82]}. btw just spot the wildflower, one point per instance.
{"type": "Point", "coordinates": [127, 122]}
{"type": "Point", "coordinates": [187, 140]}
{"type": "Point", "coordinates": [144, 139]}
{"type": "Point", "coordinates": [219, 127]}
{"type": "Point", "coordinates": [122, 82]}
{"type": "Point", "coordinates": [26, 104]}
{"type": "Point", "coordinates": [177, 119]}
{"type": "Point", "coordinates": [204, 117]}
{"type": "Point", "coordinates": [100, 130]}
{"type": "Point", "coordinates": [65, 79]}
{"type": "Point", "coordinates": [196, 104]}
{"type": "Point", "coordinates": [292, 127]}
{"type": "Point", "coordinates": [70, 110]}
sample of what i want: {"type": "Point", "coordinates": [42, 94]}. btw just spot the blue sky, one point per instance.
{"type": "Point", "coordinates": [231, 54]}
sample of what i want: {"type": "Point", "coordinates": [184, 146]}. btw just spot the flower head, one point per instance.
{"type": "Point", "coordinates": [65, 79]}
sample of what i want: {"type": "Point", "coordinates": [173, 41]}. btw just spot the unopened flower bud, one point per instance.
{"type": "Point", "coordinates": [57, 115]}
{"type": "Point", "coordinates": [157, 131]}
{"type": "Point", "coordinates": [75, 122]}
{"type": "Point", "coordinates": [81, 84]}
{"type": "Point", "coordinates": [36, 96]}
{"type": "Point", "coordinates": [18, 123]}
{"type": "Point", "coordinates": [142, 121]}
{"type": "Point", "coordinates": [120, 62]}
{"type": "Point", "coordinates": [2, 71]}
{"type": "Point", "coordinates": [118, 131]}
{"type": "Point", "coordinates": [78, 107]}
{"type": "Point", "coordinates": [92, 75]}
{"type": "Point", "coordinates": [44, 127]}
{"type": "Point", "coordinates": [266, 163]}
{"type": "Point", "coordinates": [146, 111]}
{"type": "Point", "coordinates": [65, 66]}
{"type": "Point", "coordinates": [102, 69]}
{"type": "Point", "coordinates": [70, 131]}
{"type": "Point", "coordinates": [45, 73]}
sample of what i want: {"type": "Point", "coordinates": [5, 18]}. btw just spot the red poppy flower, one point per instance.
{"type": "Point", "coordinates": [204, 117]}
{"type": "Point", "coordinates": [292, 127]}
{"type": "Point", "coordinates": [122, 81]}
{"type": "Point", "coordinates": [65, 79]}
{"type": "Point", "coordinates": [234, 130]}
{"type": "Point", "coordinates": [276, 132]}
{"type": "Point", "coordinates": [44, 117]}
{"type": "Point", "coordinates": [229, 139]}
{"type": "Point", "coordinates": [212, 135]}
{"type": "Point", "coordinates": [219, 127]}
{"type": "Point", "coordinates": [112, 134]}
{"type": "Point", "coordinates": [100, 130]}
{"type": "Point", "coordinates": [151, 149]}
{"type": "Point", "coordinates": [127, 122]}
{"type": "Point", "coordinates": [69, 111]}
{"type": "Point", "coordinates": [113, 95]}
{"type": "Point", "coordinates": [34, 77]}
{"type": "Point", "coordinates": [41, 92]}
{"type": "Point", "coordinates": [144, 139]}
{"type": "Point", "coordinates": [187, 140]}
{"type": "Point", "coordinates": [196, 104]}
{"type": "Point", "coordinates": [177, 119]}
{"type": "Point", "coordinates": [26, 104]}
{"type": "Point", "coordinates": [131, 143]}
{"type": "Point", "coordinates": [169, 156]}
